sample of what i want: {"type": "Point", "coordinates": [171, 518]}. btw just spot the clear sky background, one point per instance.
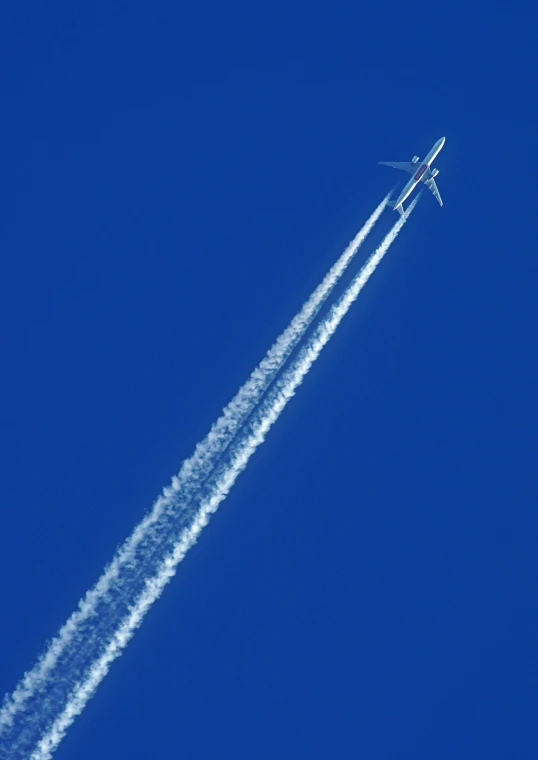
{"type": "Point", "coordinates": [175, 179]}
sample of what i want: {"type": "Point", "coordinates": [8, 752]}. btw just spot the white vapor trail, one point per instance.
{"type": "Point", "coordinates": [256, 428]}
{"type": "Point", "coordinates": [149, 533]}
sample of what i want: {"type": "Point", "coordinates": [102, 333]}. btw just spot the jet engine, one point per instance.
{"type": "Point", "coordinates": [414, 159]}
{"type": "Point", "coordinates": [435, 172]}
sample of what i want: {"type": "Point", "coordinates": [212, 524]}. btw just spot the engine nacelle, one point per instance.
{"type": "Point", "coordinates": [435, 172]}
{"type": "Point", "coordinates": [414, 159]}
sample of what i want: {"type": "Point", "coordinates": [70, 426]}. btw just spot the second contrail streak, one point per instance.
{"type": "Point", "coordinates": [194, 471]}
{"type": "Point", "coordinates": [114, 639]}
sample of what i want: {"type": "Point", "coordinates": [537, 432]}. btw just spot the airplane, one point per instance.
{"type": "Point", "coordinates": [421, 173]}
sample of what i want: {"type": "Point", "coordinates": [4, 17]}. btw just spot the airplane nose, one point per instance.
{"type": "Point", "coordinates": [442, 141]}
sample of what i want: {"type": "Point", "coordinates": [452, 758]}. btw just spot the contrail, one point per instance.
{"type": "Point", "coordinates": [255, 430]}
{"type": "Point", "coordinates": [192, 474]}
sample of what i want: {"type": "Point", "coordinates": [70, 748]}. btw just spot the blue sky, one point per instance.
{"type": "Point", "coordinates": [176, 178]}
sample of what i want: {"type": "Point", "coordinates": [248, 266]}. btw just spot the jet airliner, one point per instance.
{"type": "Point", "coordinates": [422, 172]}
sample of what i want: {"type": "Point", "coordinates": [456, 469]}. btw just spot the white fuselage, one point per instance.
{"type": "Point", "coordinates": [422, 167]}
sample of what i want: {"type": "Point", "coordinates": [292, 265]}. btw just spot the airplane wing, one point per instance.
{"type": "Point", "coordinates": [430, 184]}
{"type": "Point", "coordinates": [405, 166]}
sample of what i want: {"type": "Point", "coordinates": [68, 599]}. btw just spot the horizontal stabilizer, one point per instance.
{"type": "Point", "coordinates": [399, 208]}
